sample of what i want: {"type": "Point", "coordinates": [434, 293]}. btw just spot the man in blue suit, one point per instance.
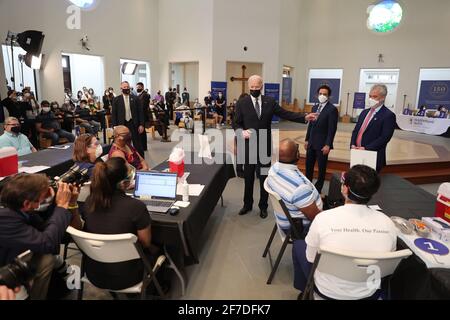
{"type": "Point", "coordinates": [320, 136]}
{"type": "Point", "coordinates": [376, 126]}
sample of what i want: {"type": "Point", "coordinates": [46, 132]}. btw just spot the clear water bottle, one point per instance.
{"type": "Point", "coordinates": [185, 191]}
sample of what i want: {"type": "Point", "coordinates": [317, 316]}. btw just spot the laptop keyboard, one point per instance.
{"type": "Point", "coordinates": [161, 204]}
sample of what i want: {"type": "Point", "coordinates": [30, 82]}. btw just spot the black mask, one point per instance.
{"type": "Point", "coordinates": [15, 130]}
{"type": "Point", "coordinates": [255, 93]}
{"type": "Point", "coordinates": [126, 91]}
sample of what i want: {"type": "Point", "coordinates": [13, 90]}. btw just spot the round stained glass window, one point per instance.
{"type": "Point", "coordinates": [385, 16]}
{"type": "Point", "coordinates": [84, 4]}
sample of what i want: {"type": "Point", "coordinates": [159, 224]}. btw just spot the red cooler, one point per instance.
{"type": "Point", "coordinates": [443, 202]}
{"type": "Point", "coordinates": [9, 162]}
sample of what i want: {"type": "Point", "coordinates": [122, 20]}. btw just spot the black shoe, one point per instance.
{"type": "Point", "coordinates": [244, 211]}
{"type": "Point", "coordinates": [264, 214]}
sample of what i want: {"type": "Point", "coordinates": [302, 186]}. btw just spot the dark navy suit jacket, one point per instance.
{"type": "Point", "coordinates": [321, 133]}
{"type": "Point", "coordinates": [20, 232]}
{"type": "Point", "coordinates": [378, 134]}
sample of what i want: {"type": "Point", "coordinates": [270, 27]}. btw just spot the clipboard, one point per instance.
{"type": "Point", "coordinates": [364, 157]}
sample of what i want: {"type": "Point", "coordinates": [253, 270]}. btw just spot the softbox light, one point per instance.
{"type": "Point", "coordinates": [129, 68]}
{"type": "Point", "coordinates": [34, 62]}
{"type": "Point", "coordinates": [31, 41]}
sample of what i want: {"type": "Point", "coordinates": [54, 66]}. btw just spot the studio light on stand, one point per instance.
{"type": "Point", "coordinates": [31, 41]}
{"type": "Point", "coordinates": [129, 68]}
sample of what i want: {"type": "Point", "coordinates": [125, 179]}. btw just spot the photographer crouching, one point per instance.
{"type": "Point", "coordinates": [23, 197]}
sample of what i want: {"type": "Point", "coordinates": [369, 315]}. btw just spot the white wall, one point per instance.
{"type": "Point", "coordinates": [185, 35]}
{"type": "Point", "coordinates": [192, 79]}
{"type": "Point", "coordinates": [116, 29]}
{"type": "Point", "coordinates": [290, 40]}
{"type": "Point", "coordinates": [251, 23]}
{"type": "Point", "coordinates": [336, 37]}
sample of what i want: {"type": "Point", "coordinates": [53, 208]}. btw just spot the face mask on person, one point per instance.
{"type": "Point", "coordinates": [15, 130]}
{"type": "Point", "coordinates": [126, 91]}
{"type": "Point", "coordinates": [255, 93]}
{"type": "Point", "coordinates": [46, 109]}
{"type": "Point", "coordinates": [99, 151]}
{"type": "Point", "coordinates": [323, 98]}
{"type": "Point", "coordinates": [45, 205]}
{"type": "Point", "coordinates": [373, 103]}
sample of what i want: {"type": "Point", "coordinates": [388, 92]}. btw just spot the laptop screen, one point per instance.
{"type": "Point", "coordinates": [155, 184]}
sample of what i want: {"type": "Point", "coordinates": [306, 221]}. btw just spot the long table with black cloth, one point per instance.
{"type": "Point", "coordinates": [413, 279]}
{"type": "Point", "coordinates": [185, 230]}
{"type": "Point", "coordinates": [58, 160]}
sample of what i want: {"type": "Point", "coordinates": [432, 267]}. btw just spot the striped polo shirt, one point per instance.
{"type": "Point", "coordinates": [295, 190]}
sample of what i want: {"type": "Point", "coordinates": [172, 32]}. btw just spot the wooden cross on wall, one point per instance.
{"type": "Point", "coordinates": [244, 79]}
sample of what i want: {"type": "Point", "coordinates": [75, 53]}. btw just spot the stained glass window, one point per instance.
{"type": "Point", "coordinates": [385, 16]}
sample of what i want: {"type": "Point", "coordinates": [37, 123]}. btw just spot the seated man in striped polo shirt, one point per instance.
{"type": "Point", "coordinates": [299, 195]}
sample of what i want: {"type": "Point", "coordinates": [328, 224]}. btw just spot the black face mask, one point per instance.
{"type": "Point", "coordinates": [255, 93]}
{"type": "Point", "coordinates": [126, 91]}
{"type": "Point", "coordinates": [15, 130]}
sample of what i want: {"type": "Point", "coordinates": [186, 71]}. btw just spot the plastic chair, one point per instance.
{"type": "Point", "coordinates": [115, 249]}
{"type": "Point", "coordinates": [352, 266]}
{"type": "Point", "coordinates": [279, 206]}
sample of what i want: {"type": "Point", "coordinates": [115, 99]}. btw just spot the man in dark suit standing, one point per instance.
{"type": "Point", "coordinates": [127, 111]}
{"type": "Point", "coordinates": [253, 122]}
{"type": "Point", "coordinates": [144, 98]}
{"type": "Point", "coordinates": [376, 126]}
{"type": "Point", "coordinates": [320, 136]}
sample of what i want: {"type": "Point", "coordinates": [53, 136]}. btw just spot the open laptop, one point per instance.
{"type": "Point", "coordinates": [158, 190]}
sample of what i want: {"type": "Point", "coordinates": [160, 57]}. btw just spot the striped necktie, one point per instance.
{"type": "Point", "coordinates": [258, 109]}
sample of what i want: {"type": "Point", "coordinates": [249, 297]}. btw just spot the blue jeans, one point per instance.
{"type": "Point", "coordinates": [302, 268]}
{"type": "Point", "coordinates": [55, 136]}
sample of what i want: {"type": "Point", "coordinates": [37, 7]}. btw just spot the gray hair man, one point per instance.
{"type": "Point", "coordinates": [376, 126]}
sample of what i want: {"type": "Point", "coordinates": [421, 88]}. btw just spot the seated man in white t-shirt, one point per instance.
{"type": "Point", "coordinates": [352, 227]}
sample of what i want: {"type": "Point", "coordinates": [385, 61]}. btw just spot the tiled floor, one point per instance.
{"type": "Point", "coordinates": [231, 264]}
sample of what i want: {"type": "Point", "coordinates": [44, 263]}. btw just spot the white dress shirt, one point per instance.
{"type": "Point", "coordinates": [126, 100]}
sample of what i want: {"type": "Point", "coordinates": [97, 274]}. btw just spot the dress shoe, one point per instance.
{"type": "Point", "coordinates": [264, 214]}
{"type": "Point", "coordinates": [244, 211]}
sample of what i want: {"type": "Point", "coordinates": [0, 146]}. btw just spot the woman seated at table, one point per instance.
{"type": "Point", "coordinates": [123, 148]}
{"type": "Point", "coordinates": [87, 150]}
{"type": "Point", "coordinates": [110, 211]}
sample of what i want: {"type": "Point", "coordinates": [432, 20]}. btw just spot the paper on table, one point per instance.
{"type": "Point", "coordinates": [60, 147]}
{"type": "Point", "coordinates": [182, 204]}
{"type": "Point", "coordinates": [364, 157]}
{"type": "Point", "coordinates": [32, 170]}
{"type": "Point", "coordinates": [194, 189]}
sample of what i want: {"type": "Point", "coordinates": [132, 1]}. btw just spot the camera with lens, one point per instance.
{"type": "Point", "coordinates": [75, 176]}
{"type": "Point", "coordinates": [18, 273]}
